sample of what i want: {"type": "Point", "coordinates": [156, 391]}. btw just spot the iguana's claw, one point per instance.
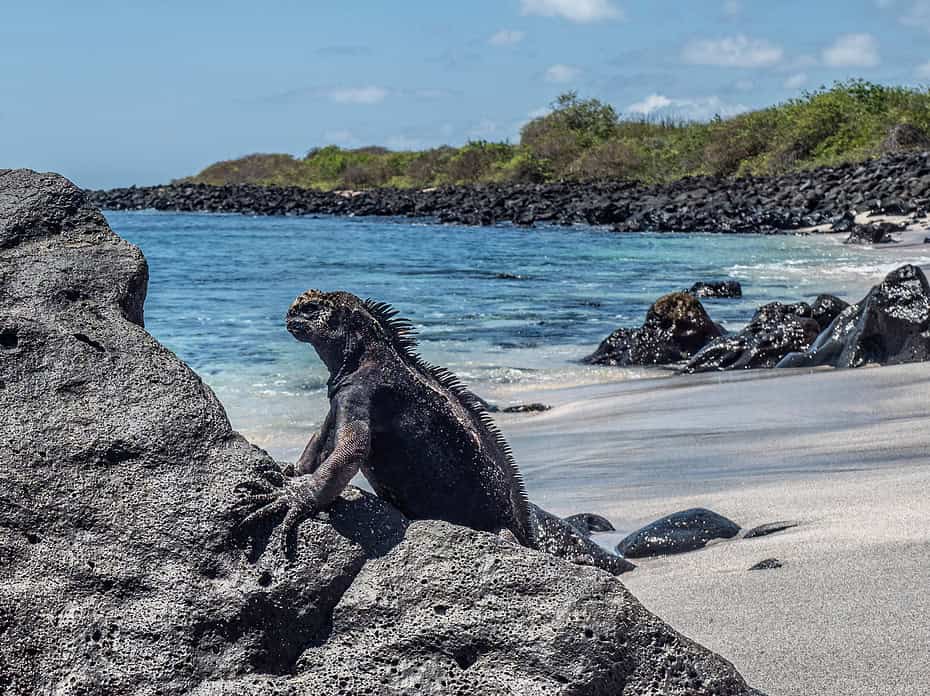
{"type": "Point", "coordinates": [294, 497]}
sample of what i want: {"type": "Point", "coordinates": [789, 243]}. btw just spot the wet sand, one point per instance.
{"type": "Point", "coordinates": [846, 453]}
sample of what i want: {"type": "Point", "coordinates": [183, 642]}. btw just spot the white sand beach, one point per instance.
{"type": "Point", "coordinates": [846, 453]}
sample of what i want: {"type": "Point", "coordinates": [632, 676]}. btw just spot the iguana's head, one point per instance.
{"type": "Point", "coordinates": [327, 320]}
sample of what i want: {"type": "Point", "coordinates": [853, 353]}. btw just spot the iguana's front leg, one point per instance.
{"type": "Point", "coordinates": [303, 496]}
{"type": "Point", "coordinates": [308, 461]}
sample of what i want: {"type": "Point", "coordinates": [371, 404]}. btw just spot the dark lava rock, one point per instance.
{"type": "Point", "coordinates": [587, 522]}
{"type": "Point", "coordinates": [719, 288]}
{"type": "Point", "coordinates": [120, 573]}
{"type": "Point", "coordinates": [768, 528]}
{"type": "Point", "coordinates": [826, 308]}
{"type": "Point", "coordinates": [493, 619]}
{"type": "Point", "coordinates": [874, 233]}
{"type": "Point", "coordinates": [696, 204]}
{"type": "Point", "coordinates": [517, 408]}
{"type": "Point", "coordinates": [527, 408]}
{"type": "Point", "coordinates": [775, 331]}
{"type": "Point", "coordinates": [676, 327]}
{"type": "Point", "coordinates": [767, 564]}
{"type": "Point", "coordinates": [561, 538]}
{"type": "Point", "coordinates": [677, 533]}
{"type": "Point", "coordinates": [890, 325]}
{"type": "Point", "coordinates": [843, 223]}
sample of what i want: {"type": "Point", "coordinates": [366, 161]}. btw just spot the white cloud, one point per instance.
{"type": "Point", "coordinates": [853, 50]}
{"type": "Point", "coordinates": [573, 10]}
{"type": "Point", "coordinates": [918, 15]}
{"type": "Point", "coordinates": [358, 95]}
{"type": "Point", "coordinates": [732, 52]}
{"type": "Point", "coordinates": [653, 102]}
{"type": "Point", "coordinates": [795, 81]}
{"type": "Point", "coordinates": [699, 108]}
{"type": "Point", "coordinates": [562, 73]}
{"type": "Point", "coordinates": [923, 71]}
{"type": "Point", "coordinates": [506, 37]}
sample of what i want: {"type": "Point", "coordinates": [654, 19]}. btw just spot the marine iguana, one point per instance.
{"type": "Point", "coordinates": [425, 442]}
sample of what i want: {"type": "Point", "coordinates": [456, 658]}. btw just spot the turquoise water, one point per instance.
{"type": "Point", "coordinates": [496, 305]}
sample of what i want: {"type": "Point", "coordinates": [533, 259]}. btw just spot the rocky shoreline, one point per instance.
{"type": "Point", "coordinates": [893, 185]}
{"type": "Point", "coordinates": [889, 326]}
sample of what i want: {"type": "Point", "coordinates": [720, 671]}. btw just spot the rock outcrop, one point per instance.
{"type": "Point", "coordinates": [120, 572]}
{"type": "Point", "coordinates": [890, 325]}
{"type": "Point", "coordinates": [775, 331]}
{"type": "Point", "coordinates": [676, 327]}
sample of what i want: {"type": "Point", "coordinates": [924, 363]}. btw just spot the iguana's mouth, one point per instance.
{"type": "Point", "coordinates": [297, 325]}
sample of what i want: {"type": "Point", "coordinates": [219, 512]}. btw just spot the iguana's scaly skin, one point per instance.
{"type": "Point", "coordinates": [424, 442]}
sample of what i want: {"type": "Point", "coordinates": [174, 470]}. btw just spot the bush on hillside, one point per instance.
{"type": "Point", "coordinates": [584, 138]}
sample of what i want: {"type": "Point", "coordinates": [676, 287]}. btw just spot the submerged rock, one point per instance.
{"type": "Point", "coordinates": [890, 325]}
{"type": "Point", "coordinates": [679, 532]}
{"type": "Point", "coordinates": [720, 289]}
{"type": "Point", "coordinates": [676, 327]}
{"type": "Point", "coordinates": [120, 569]}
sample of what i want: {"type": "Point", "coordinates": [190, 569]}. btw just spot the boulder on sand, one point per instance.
{"type": "Point", "coordinates": [679, 532]}
{"type": "Point", "coordinates": [890, 325]}
{"type": "Point", "coordinates": [121, 574]}
{"type": "Point", "coordinates": [776, 329]}
{"type": "Point", "coordinates": [676, 327]}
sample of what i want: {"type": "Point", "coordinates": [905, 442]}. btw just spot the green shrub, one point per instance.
{"type": "Point", "coordinates": [583, 138]}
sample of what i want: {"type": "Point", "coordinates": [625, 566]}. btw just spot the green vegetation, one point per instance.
{"type": "Point", "coordinates": [585, 139]}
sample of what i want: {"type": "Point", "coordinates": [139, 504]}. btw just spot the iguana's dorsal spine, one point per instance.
{"type": "Point", "coordinates": [403, 337]}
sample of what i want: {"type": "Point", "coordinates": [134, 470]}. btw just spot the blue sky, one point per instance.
{"type": "Point", "coordinates": [114, 93]}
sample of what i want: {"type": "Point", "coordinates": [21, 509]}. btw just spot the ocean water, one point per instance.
{"type": "Point", "coordinates": [497, 305]}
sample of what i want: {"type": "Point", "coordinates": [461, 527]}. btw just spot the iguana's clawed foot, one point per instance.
{"type": "Point", "coordinates": [274, 494]}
